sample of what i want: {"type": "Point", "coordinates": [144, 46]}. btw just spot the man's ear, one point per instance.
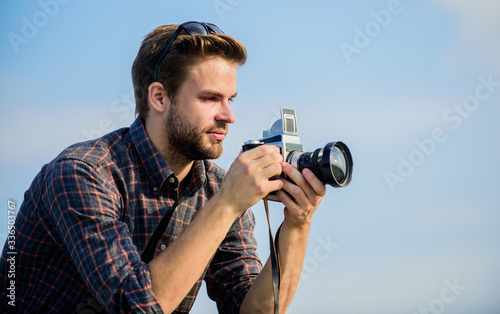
{"type": "Point", "coordinates": [156, 98]}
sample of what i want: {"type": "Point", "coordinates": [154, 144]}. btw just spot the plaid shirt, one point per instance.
{"type": "Point", "coordinates": [88, 215]}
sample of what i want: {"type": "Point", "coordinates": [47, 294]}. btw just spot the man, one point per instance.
{"type": "Point", "coordinates": [90, 213]}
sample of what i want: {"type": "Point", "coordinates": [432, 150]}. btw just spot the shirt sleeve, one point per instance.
{"type": "Point", "coordinates": [235, 266]}
{"type": "Point", "coordinates": [83, 215]}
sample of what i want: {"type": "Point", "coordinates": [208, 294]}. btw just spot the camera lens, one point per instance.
{"type": "Point", "coordinates": [331, 164]}
{"type": "Point", "coordinates": [337, 164]}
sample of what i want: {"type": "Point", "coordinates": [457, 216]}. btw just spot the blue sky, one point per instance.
{"type": "Point", "coordinates": [412, 87]}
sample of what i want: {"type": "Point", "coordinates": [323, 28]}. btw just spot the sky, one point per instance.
{"type": "Point", "coordinates": [412, 87]}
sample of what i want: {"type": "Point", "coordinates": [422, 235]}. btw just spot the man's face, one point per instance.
{"type": "Point", "coordinates": [197, 120]}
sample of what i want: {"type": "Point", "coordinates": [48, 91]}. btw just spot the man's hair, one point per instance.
{"type": "Point", "coordinates": [185, 51]}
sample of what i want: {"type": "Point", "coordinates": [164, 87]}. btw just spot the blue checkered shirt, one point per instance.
{"type": "Point", "coordinates": [88, 215]}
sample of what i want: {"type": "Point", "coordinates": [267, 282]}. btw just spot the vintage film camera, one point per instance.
{"type": "Point", "coordinates": [332, 164]}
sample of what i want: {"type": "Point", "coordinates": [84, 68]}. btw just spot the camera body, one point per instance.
{"type": "Point", "coordinates": [283, 134]}
{"type": "Point", "coordinates": [331, 164]}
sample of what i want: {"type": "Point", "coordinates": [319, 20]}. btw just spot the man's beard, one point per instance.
{"type": "Point", "coordinates": [185, 139]}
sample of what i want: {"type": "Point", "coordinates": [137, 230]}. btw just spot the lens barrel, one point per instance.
{"type": "Point", "coordinates": [332, 164]}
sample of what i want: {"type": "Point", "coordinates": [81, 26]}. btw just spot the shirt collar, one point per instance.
{"type": "Point", "coordinates": [198, 177]}
{"type": "Point", "coordinates": [156, 166]}
{"type": "Point", "coordinates": [154, 163]}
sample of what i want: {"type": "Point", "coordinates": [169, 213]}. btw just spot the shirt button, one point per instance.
{"type": "Point", "coordinates": [163, 247]}
{"type": "Point", "coordinates": [171, 180]}
{"type": "Point", "coordinates": [155, 189]}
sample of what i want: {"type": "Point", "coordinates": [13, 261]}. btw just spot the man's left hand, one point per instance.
{"type": "Point", "coordinates": [304, 195]}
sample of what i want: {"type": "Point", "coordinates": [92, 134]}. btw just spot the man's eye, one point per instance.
{"type": "Point", "coordinates": [209, 98]}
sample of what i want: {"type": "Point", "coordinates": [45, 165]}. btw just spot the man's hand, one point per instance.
{"type": "Point", "coordinates": [306, 193]}
{"type": "Point", "coordinates": [248, 179]}
{"type": "Point", "coordinates": [174, 271]}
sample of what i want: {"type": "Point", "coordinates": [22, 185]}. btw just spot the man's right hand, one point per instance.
{"type": "Point", "coordinates": [174, 271]}
{"type": "Point", "coordinates": [248, 179]}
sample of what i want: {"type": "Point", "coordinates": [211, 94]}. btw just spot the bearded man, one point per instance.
{"type": "Point", "coordinates": [132, 222]}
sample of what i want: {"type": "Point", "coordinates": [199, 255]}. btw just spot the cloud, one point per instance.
{"type": "Point", "coordinates": [479, 29]}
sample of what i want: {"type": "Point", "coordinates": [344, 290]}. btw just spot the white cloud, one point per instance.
{"type": "Point", "coordinates": [479, 29]}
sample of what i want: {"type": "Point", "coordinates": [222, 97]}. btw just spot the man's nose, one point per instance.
{"type": "Point", "coordinates": [226, 113]}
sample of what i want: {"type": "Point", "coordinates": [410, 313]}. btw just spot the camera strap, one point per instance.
{"type": "Point", "coordinates": [274, 260]}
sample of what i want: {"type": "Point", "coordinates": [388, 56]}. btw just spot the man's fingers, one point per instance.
{"type": "Point", "coordinates": [259, 151]}
{"type": "Point", "coordinates": [307, 180]}
{"type": "Point", "coordinates": [316, 184]}
{"type": "Point", "coordinates": [305, 187]}
{"type": "Point", "coordinates": [297, 178]}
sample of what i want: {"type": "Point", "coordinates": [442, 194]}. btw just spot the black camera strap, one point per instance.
{"type": "Point", "coordinates": [275, 263]}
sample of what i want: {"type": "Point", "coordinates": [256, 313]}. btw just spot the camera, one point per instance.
{"type": "Point", "coordinates": [332, 164]}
